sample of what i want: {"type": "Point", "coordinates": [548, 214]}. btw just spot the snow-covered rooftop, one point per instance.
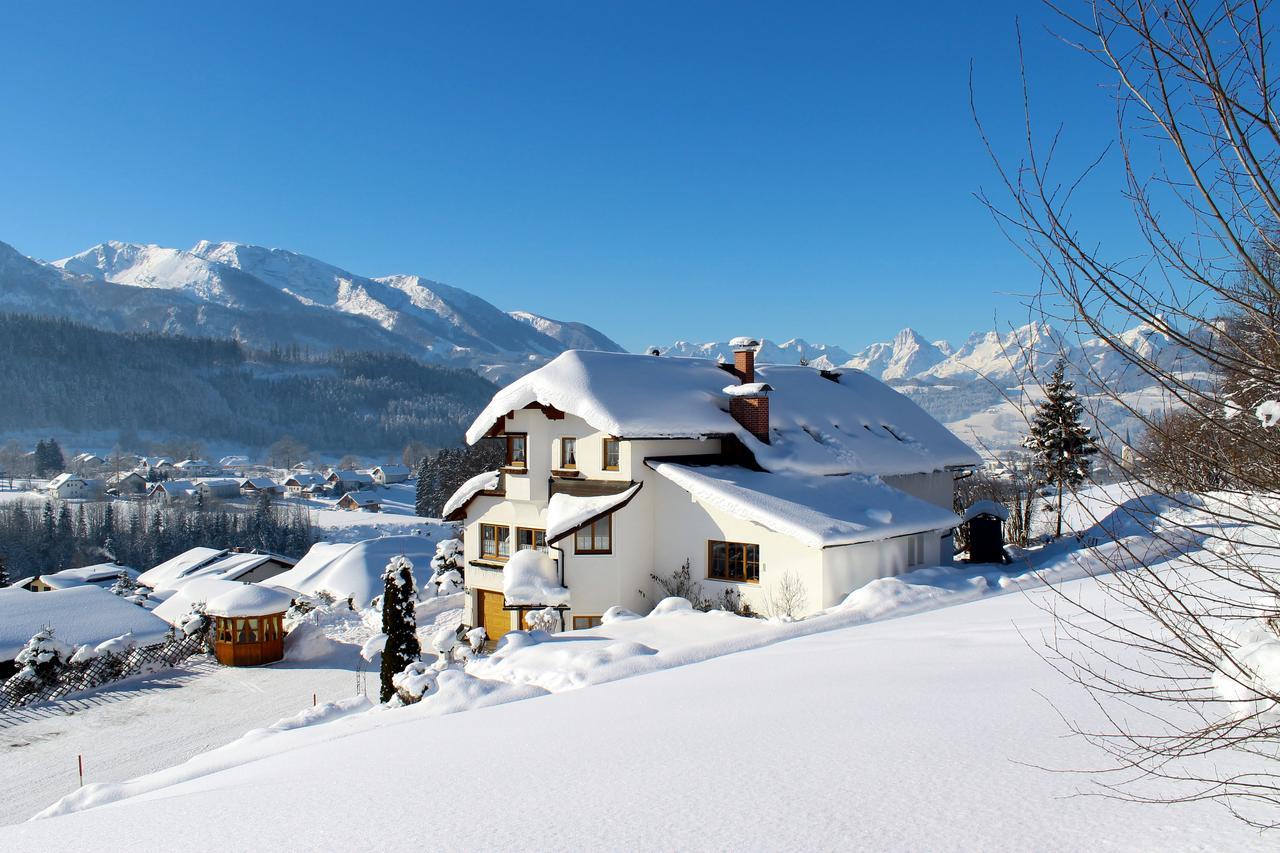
{"type": "Point", "coordinates": [68, 578]}
{"type": "Point", "coordinates": [853, 424]}
{"type": "Point", "coordinates": [355, 570]}
{"type": "Point", "coordinates": [819, 511]}
{"type": "Point", "coordinates": [484, 482]}
{"type": "Point", "coordinates": [249, 599]}
{"type": "Point", "coordinates": [171, 572]}
{"type": "Point", "coordinates": [79, 616]}
{"type": "Point", "coordinates": [566, 513]}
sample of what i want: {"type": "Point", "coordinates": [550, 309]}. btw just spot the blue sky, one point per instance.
{"type": "Point", "coordinates": [660, 170]}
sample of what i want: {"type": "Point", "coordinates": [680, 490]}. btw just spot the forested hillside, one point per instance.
{"type": "Point", "coordinates": [58, 374]}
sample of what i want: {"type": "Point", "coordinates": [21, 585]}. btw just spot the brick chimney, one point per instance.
{"type": "Point", "coordinates": [744, 359]}
{"type": "Point", "coordinates": [748, 400]}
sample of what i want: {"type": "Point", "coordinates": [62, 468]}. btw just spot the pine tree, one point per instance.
{"type": "Point", "coordinates": [5, 580]}
{"type": "Point", "coordinates": [1059, 441]}
{"type": "Point", "coordinates": [422, 497]}
{"type": "Point", "coordinates": [399, 623]}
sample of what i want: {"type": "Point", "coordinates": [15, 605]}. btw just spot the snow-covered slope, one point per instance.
{"type": "Point", "coordinates": [271, 296]}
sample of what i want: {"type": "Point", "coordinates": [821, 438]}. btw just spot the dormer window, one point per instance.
{"type": "Point", "coordinates": [612, 454]}
{"type": "Point", "coordinates": [517, 450]}
{"type": "Point", "coordinates": [569, 453]}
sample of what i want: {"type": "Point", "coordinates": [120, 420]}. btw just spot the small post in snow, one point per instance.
{"type": "Point", "coordinates": [80, 762]}
{"type": "Point", "coordinates": [313, 700]}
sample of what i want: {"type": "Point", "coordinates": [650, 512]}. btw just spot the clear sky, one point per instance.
{"type": "Point", "coordinates": [660, 170]}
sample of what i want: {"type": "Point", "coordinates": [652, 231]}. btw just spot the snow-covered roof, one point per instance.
{"type": "Point", "coordinates": [259, 483]}
{"type": "Point", "coordinates": [361, 498]}
{"type": "Point", "coordinates": [64, 478]}
{"type": "Point", "coordinates": [97, 573]}
{"type": "Point", "coordinates": [566, 513]}
{"type": "Point", "coordinates": [249, 599]}
{"type": "Point", "coordinates": [531, 578]}
{"type": "Point", "coordinates": [355, 570]}
{"type": "Point", "coordinates": [171, 572]}
{"type": "Point", "coordinates": [192, 463]}
{"type": "Point", "coordinates": [231, 461]}
{"type": "Point", "coordinates": [984, 507]}
{"type": "Point", "coordinates": [233, 566]}
{"type": "Point", "coordinates": [79, 616]}
{"type": "Point", "coordinates": [305, 478]}
{"type": "Point", "coordinates": [850, 424]}
{"type": "Point", "coordinates": [179, 601]}
{"type": "Point", "coordinates": [218, 484]}
{"type": "Point", "coordinates": [392, 469]}
{"type": "Point", "coordinates": [177, 488]}
{"type": "Point", "coordinates": [817, 511]}
{"type": "Point", "coordinates": [362, 477]}
{"type": "Point", "coordinates": [485, 482]}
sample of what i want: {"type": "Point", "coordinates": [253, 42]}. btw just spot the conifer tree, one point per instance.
{"type": "Point", "coordinates": [5, 580]}
{"type": "Point", "coordinates": [422, 496]}
{"type": "Point", "coordinates": [1059, 442]}
{"type": "Point", "coordinates": [399, 623]}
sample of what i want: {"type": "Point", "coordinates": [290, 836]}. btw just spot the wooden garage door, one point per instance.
{"type": "Point", "coordinates": [495, 620]}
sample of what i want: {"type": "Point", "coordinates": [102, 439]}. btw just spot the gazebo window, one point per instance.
{"type": "Point", "coordinates": [225, 634]}
{"type": "Point", "coordinates": [246, 630]}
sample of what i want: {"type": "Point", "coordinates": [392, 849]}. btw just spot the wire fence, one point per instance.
{"type": "Point", "coordinates": [27, 688]}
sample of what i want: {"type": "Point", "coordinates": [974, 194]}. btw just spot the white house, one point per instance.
{"type": "Point", "coordinates": [67, 485]}
{"type": "Point", "coordinates": [385, 475]}
{"type": "Point", "coordinates": [256, 485]}
{"type": "Point", "coordinates": [349, 481]}
{"type": "Point", "coordinates": [777, 482]}
{"type": "Point", "coordinates": [193, 468]}
{"type": "Point", "coordinates": [304, 482]}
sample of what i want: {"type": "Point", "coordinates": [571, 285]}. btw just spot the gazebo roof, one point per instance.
{"type": "Point", "coordinates": [249, 600]}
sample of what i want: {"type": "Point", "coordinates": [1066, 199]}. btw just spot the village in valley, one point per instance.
{"type": "Point", "coordinates": [293, 535]}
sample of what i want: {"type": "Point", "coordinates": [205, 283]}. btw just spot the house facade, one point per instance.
{"type": "Point", "coordinates": [385, 475]}
{"type": "Point", "coordinates": [779, 487]}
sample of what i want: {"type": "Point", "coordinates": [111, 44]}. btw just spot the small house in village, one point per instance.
{"type": "Point", "coordinates": [248, 625]}
{"type": "Point", "coordinates": [257, 485]}
{"type": "Point", "coordinates": [349, 481]}
{"type": "Point", "coordinates": [173, 490]}
{"type": "Point", "coordinates": [366, 501]}
{"type": "Point", "coordinates": [194, 468]}
{"type": "Point", "coordinates": [198, 563]}
{"type": "Point", "coordinates": [127, 483]}
{"type": "Point", "coordinates": [85, 462]}
{"type": "Point", "coordinates": [769, 481]}
{"type": "Point", "coordinates": [304, 482]}
{"type": "Point", "coordinates": [67, 486]}
{"type": "Point", "coordinates": [385, 475]}
{"type": "Point", "coordinates": [101, 574]}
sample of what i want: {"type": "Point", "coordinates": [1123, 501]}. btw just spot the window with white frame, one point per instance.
{"type": "Point", "coordinates": [915, 550]}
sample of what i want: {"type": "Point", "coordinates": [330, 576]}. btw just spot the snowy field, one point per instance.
{"type": "Point", "coordinates": [918, 715]}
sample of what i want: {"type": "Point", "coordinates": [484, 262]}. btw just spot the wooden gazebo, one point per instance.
{"type": "Point", "coordinates": [249, 625]}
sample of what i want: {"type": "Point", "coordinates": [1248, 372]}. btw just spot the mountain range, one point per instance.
{"type": "Point", "coordinates": [272, 297]}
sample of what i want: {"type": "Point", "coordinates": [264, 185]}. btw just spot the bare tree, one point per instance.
{"type": "Point", "coordinates": [1197, 136]}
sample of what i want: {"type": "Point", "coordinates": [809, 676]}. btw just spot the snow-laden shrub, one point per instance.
{"type": "Point", "coordinates": [196, 623]}
{"type": "Point", "coordinates": [43, 660]}
{"type": "Point", "coordinates": [476, 638]}
{"type": "Point", "coordinates": [671, 604]}
{"type": "Point", "coordinates": [124, 586]}
{"type": "Point", "coordinates": [449, 582]}
{"type": "Point", "coordinates": [617, 613]}
{"type": "Point", "coordinates": [414, 682]}
{"type": "Point", "coordinates": [547, 620]}
{"type": "Point", "coordinates": [448, 557]}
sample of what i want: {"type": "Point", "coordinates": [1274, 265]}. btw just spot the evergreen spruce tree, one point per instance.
{"type": "Point", "coordinates": [5, 580]}
{"type": "Point", "coordinates": [422, 497]}
{"type": "Point", "coordinates": [55, 463]}
{"type": "Point", "coordinates": [1059, 442]}
{"type": "Point", "coordinates": [399, 623]}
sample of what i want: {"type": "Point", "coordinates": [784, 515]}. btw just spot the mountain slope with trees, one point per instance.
{"type": "Point", "coordinates": [68, 376]}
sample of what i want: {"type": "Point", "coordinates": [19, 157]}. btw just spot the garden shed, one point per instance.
{"type": "Point", "coordinates": [984, 531]}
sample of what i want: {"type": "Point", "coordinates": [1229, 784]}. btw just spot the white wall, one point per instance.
{"type": "Point", "coordinates": [936, 487]}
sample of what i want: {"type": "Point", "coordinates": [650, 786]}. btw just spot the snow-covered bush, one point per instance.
{"type": "Point", "coordinates": [476, 638]}
{"type": "Point", "coordinates": [43, 659]}
{"type": "Point", "coordinates": [124, 586]}
{"type": "Point", "coordinates": [196, 623]}
{"type": "Point", "coordinates": [448, 557]}
{"type": "Point", "coordinates": [449, 582]}
{"type": "Point", "coordinates": [547, 620]}
{"type": "Point", "coordinates": [414, 682]}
